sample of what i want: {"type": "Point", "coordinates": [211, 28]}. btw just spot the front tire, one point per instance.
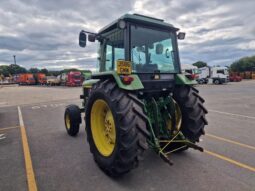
{"type": "Point", "coordinates": [72, 120]}
{"type": "Point", "coordinates": [129, 123]}
{"type": "Point", "coordinates": [217, 82]}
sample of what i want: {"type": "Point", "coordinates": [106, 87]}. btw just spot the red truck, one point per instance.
{"type": "Point", "coordinates": [72, 78]}
{"type": "Point", "coordinates": [41, 78]}
{"type": "Point", "coordinates": [26, 79]}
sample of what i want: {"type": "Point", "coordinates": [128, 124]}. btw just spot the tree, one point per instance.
{"type": "Point", "coordinates": [16, 69]}
{"type": "Point", "coordinates": [4, 70]}
{"type": "Point", "coordinates": [243, 64]}
{"type": "Point", "coordinates": [54, 73]}
{"type": "Point", "coordinates": [11, 69]}
{"type": "Point", "coordinates": [45, 71]}
{"type": "Point", "coordinates": [34, 70]}
{"type": "Point", "coordinates": [200, 64]}
{"type": "Point", "coordinates": [68, 70]}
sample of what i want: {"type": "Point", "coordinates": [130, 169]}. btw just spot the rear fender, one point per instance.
{"type": "Point", "coordinates": [136, 84]}
{"type": "Point", "coordinates": [181, 79]}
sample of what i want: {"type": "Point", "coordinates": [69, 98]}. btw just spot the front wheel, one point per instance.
{"type": "Point", "coordinates": [72, 119]}
{"type": "Point", "coordinates": [216, 81]}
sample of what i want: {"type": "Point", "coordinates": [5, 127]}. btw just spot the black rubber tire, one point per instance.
{"type": "Point", "coordinates": [131, 128]}
{"type": "Point", "coordinates": [75, 119]}
{"type": "Point", "coordinates": [193, 114]}
{"type": "Point", "coordinates": [217, 82]}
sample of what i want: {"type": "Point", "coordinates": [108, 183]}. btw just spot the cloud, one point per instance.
{"type": "Point", "coordinates": [45, 33]}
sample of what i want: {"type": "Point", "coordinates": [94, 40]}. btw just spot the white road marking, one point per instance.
{"type": "Point", "coordinates": [2, 136]}
{"type": "Point", "coordinates": [232, 114]}
{"type": "Point", "coordinates": [36, 107]}
{"type": "Point", "coordinates": [53, 105]}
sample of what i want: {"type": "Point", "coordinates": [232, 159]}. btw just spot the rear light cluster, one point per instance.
{"type": "Point", "coordinates": [127, 80]}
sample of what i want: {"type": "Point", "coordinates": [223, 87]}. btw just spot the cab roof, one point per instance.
{"type": "Point", "coordinates": [139, 19]}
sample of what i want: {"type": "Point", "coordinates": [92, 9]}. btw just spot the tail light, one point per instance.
{"type": "Point", "coordinates": [126, 79]}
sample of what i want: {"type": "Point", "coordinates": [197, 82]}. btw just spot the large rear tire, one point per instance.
{"type": "Point", "coordinates": [124, 112]}
{"type": "Point", "coordinates": [193, 114]}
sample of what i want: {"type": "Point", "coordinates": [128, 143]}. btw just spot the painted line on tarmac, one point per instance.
{"type": "Point", "coordinates": [230, 141]}
{"type": "Point", "coordinates": [239, 164]}
{"type": "Point", "coordinates": [28, 162]}
{"type": "Point", "coordinates": [8, 128]}
{"type": "Point", "coordinates": [2, 136]}
{"type": "Point", "coordinates": [43, 102]}
{"type": "Point", "coordinates": [232, 114]}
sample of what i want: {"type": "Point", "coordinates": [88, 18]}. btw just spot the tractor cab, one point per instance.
{"type": "Point", "coordinates": [139, 45]}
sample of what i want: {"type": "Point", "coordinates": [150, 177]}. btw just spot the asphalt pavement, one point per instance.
{"type": "Point", "coordinates": [61, 162]}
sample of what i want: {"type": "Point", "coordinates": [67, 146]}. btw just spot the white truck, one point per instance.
{"type": "Point", "coordinates": [203, 75]}
{"type": "Point", "coordinates": [190, 71]}
{"type": "Point", "coordinates": [217, 75]}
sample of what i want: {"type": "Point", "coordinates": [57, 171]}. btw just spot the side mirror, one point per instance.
{"type": "Point", "coordinates": [82, 39]}
{"type": "Point", "coordinates": [159, 48]}
{"type": "Point", "coordinates": [92, 37]}
{"type": "Point", "coordinates": [181, 35]}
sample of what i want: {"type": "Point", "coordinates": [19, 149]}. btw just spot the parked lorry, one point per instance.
{"type": "Point", "coordinates": [217, 75]}
{"type": "Point", "coordinates": [72, 78]}
{"type": "Point", "coordinates": [52, 81]}
{"type": "Point", "coordinates": [190, 71]}
{"type": "Point", "coordinates": [139, 99]}
{"type": "Point", "coordinates": [26, 79]}
{"type": "Point", "coordinates": [40, 78]}
{"type": "Point", "coordinates": [203, 75]}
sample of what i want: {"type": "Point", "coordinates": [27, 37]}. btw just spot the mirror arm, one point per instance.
{"type": "Point", "coordinates": [89, 32]}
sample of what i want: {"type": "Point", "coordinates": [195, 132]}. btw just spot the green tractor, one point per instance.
{"type": "Point", "coordinates": [139, 99]}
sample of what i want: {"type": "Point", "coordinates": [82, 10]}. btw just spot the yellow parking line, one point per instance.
{"type": "Point", "coordinates": [28, 162]}
{"type": "Point", "coordinates": [242, 165]}
{"type": "Point", "coordinates": [230, 141]}
{"type": "Point", "coordinates": [8, 128]}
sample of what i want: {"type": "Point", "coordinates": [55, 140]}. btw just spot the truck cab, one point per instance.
{"type": "Point", "coordinates": [41, 78]}
{"type": "Point", "coordinates": [219, 75]}
{"type": "Point", "coordinates": [74, 78]}
{"type": "Point", "coordinates": [190, 71]}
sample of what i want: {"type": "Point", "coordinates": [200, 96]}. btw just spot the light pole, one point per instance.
{"type": "Point", "coordinates": [14, 57]}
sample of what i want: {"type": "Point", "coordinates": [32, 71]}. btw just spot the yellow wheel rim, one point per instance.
{"type": "Point", "coordinates": [103, 127]}
{"type": "Point", "coordinates": [68, 122]}
{"type": "Point", "coordinates": [178, 118]}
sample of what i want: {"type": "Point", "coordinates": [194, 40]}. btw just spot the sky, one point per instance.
{"type": "Point", "coordinates": [44, 33]}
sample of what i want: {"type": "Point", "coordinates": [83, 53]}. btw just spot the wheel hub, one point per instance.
{"type": "Point", "coordinates": [103, 127]}
{"type": "Point", "coordinates": [68, 122]}
{"type": "Point", "coordinates": [109, 123]}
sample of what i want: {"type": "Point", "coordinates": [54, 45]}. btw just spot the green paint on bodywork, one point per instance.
{"type": "Point", "coordinates": [89, 83]}
{"type": "Point", "coordinates": [181, 79]}
{"type": "Point", "coordinates": [136, 84]}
